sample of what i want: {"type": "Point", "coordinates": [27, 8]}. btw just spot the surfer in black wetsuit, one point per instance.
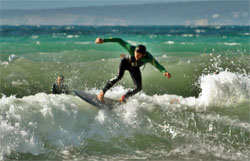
{"type": "Point", "coordinates": [59, 87]}
{"type": "Point", "coordinates": [138, 57]}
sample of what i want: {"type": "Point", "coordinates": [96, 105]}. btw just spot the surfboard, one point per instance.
{"type": "Point", "coordinates": [93, 100]}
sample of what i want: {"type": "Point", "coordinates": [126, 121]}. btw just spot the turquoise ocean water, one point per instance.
{"type": "Point", "coordinates": [195, 115]}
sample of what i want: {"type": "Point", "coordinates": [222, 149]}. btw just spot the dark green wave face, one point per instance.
{"type": "Point", "coordinates": [23, 77]}
{"type": "Point", "coordinates": [201, 113]}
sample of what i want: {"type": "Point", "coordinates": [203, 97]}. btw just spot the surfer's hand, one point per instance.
{"type": "Point", "coordinates": [99, 40]}
{"type": "Point", "coordinates": [167, 75]}
{"type": "Point", "coordinates": [100, 96]}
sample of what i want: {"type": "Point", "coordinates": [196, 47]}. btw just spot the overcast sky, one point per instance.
{"type": "Point", "coordinates": [47, 4]}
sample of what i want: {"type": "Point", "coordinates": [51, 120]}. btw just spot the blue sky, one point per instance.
{"type": "Point", "coordinates": [47, 4]}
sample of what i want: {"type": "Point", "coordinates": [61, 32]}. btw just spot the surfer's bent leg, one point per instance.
{"type": "Point", "coordinates": [136, 76]}
{"type": "Point", "coordinates": [123, 66]}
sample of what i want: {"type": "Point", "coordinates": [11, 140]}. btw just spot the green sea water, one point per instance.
{"type": "Point", "coordinates": [201, 113]}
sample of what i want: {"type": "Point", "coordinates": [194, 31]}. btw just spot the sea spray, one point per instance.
{"type": "Point", "coordinates": [201, 113]}
{"type": "Point", "coordinates": [42, 123]}
{"type": "Point", "coordinates": [224, 89]}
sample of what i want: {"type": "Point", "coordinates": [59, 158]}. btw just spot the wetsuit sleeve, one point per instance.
{"type": "Point", "coordinates": [130, 48]}
{"type": "Point", "coordinates": [65, 89]}
{"type": "Point", "coordinates": [53, 89]}
{"type": "Point", "coordinates": [157, 65]}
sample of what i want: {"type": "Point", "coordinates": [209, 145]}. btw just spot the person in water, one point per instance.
{"type": "Point", "coordinates": [138, 56]}
{"type": "Point", "coordinates": [59, 87]}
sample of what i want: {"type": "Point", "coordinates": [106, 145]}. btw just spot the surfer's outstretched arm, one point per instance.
{"type": "Point", "coordinates": [156, 64]}
{"type": "Point", "coordinates": [130, 48]}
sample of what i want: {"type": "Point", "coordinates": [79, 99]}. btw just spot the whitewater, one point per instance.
{"type": "Point", "coordinates": [201, 113]}
{"type": "Point", "coordinates": [159, 126]}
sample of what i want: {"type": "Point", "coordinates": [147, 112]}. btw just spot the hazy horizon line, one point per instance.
{"type": "Point", "coordinates": [107, 5]}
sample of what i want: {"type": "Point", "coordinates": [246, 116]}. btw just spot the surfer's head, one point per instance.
{"type": "Point", "coordinates": [60, 79]}
{"type": "Point", "coordinates": [140, 51]}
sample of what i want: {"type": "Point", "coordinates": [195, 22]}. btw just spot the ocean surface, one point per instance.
{"type": "Point", "coordinates": [201, 113]}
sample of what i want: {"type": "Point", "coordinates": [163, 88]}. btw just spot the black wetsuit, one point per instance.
{"type": "Point", "coordinates": [56, 89]}
{"type": "Point", "coordinates": [130, 64]}
{"type": "Point", "coordinates": [133, 66]}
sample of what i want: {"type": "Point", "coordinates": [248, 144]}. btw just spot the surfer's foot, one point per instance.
{"type": "Point", "coordinates": [100, 96]}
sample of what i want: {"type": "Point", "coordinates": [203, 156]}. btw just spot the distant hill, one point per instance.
{"type": "Point", "coordinates": [234, 12]}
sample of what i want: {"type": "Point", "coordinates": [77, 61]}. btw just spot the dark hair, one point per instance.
{"type": "Point", "coordinates": [141, 49]}
{"type": "Point", "coordinates": [62, 77]}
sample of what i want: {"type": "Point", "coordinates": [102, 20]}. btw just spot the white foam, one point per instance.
{"type": "Point", "coordinates": [164, 56]}
{"type": "Point", "coordinates": [152, 36]}
{"type": "Point", "coordinates": [4, 63]}
{"type": "Point", "coordinates": [72, 36]}
{"type": "Point", "coordinates": [13, 57]}
{"type": "Point", "coordinates": [64, 121]}
{"type": "Point", "coordinates": [169, 42]}
{"type": "Point", "coordinates": [187, 35]}
{"type": "Point", "coordinates": [224, 89]}
{"type": "Point", "coordinates": [13, 134]}
{"type": "Point", "coordinates": [84, 43]}
{"type": "Point", "coordinates": [60, 120]}
{"type": "Point", "coordinates": [26, 122]}
{"type": "Point", "coordinates": [231, 44]}
{"type": "Point", "coordinates": [199, 31]}
{"type": "Point", "coordinates": [19, 82]}
{"type": "Point", "coordinates": [245, 34]}
{"type": "Point", "coordinates": [187, 43]}
{"type": "Point", "coordinates": [34, 36]}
